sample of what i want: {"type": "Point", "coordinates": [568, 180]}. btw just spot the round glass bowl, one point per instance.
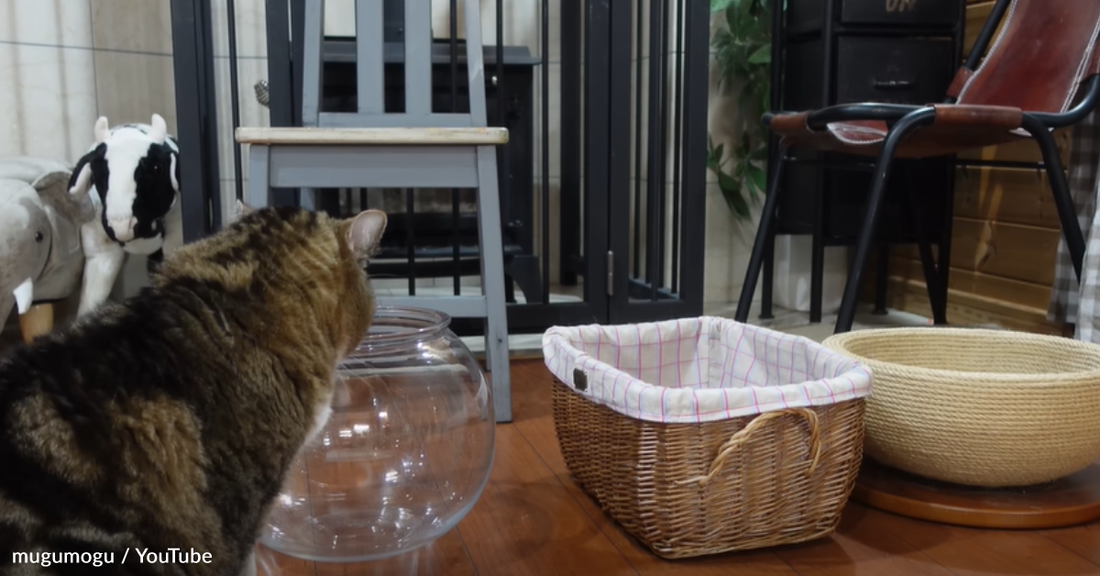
{"type": "Point", "coordinates": [405, 455]}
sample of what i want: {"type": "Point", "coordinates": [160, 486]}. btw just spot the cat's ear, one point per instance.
{"type": "Point", "coordinates": [242, 211]}
{"type": "Point", "coordinates": [365, 233]}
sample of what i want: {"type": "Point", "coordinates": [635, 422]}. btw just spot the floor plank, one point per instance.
{"type": "Point", "coordinates": [527, 523]}
{"type": "Point", "coordinates": [973, 552]}
{"type": "Point", "coordinates": [860, 547]}
{"type": "Point", "coordinates": [444, 556]}
{"type": "Point", "coordinates": [1082, 540]}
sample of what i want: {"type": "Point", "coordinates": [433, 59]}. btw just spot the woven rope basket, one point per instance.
{"type": "Point", "coordinates": [686, 489]}
{"type": "Point", "coordinates": [976, 407]}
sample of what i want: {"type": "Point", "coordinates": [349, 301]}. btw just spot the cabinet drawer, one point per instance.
{"type": "Point", "coordinates": [895, 70]}
{"type": "Point", "coordinates": [901, 12]}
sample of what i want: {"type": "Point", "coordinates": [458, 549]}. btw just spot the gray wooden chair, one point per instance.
{"type": "Point", "coordinates": [414, 149]}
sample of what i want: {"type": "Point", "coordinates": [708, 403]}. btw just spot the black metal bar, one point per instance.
{"type": "Point", "coordinates": [655, 152]}
{"type": "Point", "coordinates": [500, 61]}
{"type": "Point", "coordinates": [639, 290]}
{"type": "Point", "coordinates": [973, 163]}
{"type": "Point", "coordinates": [946, 232]}
{"type": "Point", "coordinates": [410, 237]}
{"type": "Point", "coordinates": [280, 81]}
{"type": "Point", "coordinates": [570, 142]}
{"type": "Point", "coordinates": [677, 145]}
{"type": "Point", "coordinates": [298, 57]}
{"type": "Point", "coordinates": [882, 279]}
{"type": "Point", "coordinates": [234, 95]}
{"type": "Point", "coordinates": [696, 82]}
{"type": "Point", "coordinates": [456, 204]}
{"type": "Point", "coordinates": [545, 148]}
{"type": "Point", "coordinates": [207, 81]}
{"type": "Point", "coordinates": [847, 312]}
{"type": "Point", "coordinates": [662, 191]}
{"type": "Point", "coordinates": [986, 34]}
{"type": "Point", "coordinates": [817, 249]}
{"type": "Point", "coordinates": [187, 69]}
{"type": "Point", "coordinates": [767, 280]}
{"type": "Point", "coordinates": [597, 145]}
{"type": "Point", "coordinates": [639, 34]}
{"type": "Point", "coordinates": [617, 155]}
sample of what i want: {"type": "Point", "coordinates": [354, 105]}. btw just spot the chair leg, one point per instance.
{"type": "Point", "coordinates": [259, 168]}
{"type": "Point", "coordinates": [767, 281]}
{"type": "Point", "coordinates": [932, 277]}
{"type": "Point", "coordinates": [944, 267]}
{"type": "Point", "coordinates": [492, 282]}
{"type": "Point", "coordinates": [817, 254]}
{"type": "Point", "coordinates": [914, 120]}
{"type": "Point", "coordinates": [1067, 214]}
{"type": "Point", "coordinates": [763, 234]}
{"type": "Point", "coordinates": [882, 279]}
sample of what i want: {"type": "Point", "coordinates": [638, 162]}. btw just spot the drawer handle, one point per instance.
{"type": "Point", "coordinates": [894, 84]}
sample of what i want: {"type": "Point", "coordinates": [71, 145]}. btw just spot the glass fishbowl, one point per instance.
{"type": "Point", "coordinates": [405, 455]}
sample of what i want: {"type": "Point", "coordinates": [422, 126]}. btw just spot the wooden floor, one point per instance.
{"type": "Point", "coordinates": [533, 520]}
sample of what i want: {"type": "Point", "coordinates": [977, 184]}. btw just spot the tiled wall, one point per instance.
{"type": "Point", "coordinates": [63, 68]}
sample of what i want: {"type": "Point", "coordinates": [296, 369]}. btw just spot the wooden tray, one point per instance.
{"type": "Point", "coordinates": [1066, 502]}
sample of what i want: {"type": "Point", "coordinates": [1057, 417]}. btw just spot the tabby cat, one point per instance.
{"type": "Point", "coordinates": [169, 421]}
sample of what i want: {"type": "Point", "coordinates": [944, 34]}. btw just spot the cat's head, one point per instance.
{"type": "Point", "coordinates": [298, 267]}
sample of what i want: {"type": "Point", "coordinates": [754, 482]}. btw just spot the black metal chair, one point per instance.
{"type": "Point", "coordinates": [1042, 72]}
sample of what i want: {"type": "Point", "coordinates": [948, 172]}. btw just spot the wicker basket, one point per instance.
{"type": "Point", "coordinates": [702, 436]}
{"type": "Point", "coordinates": [987, 408]}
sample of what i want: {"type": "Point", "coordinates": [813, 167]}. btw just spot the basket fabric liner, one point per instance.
{"type": "Point", "coordinates": [704, 369]}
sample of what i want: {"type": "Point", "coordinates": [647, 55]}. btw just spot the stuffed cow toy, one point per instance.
{"type": "Point", "coordinates": [131, 175]}
{"type": "Point", "coordinates": [41, 255]}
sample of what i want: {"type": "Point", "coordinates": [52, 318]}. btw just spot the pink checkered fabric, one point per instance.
{"type": "Point", "coordinates": [700, 369]}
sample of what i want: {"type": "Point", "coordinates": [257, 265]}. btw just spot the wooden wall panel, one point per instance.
{"type": "Point", "coordinates": [1010, 195]}
{"type": "Point", "coordinates": [996, 289]}
{"type": "Point", "coordinates": [999, 249]}
{"type": "Point", "coordinates": [1022, 151]}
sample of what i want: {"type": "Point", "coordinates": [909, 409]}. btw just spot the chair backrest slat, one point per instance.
{"type": "Point", "coordinates": [1041, 55]}
{"type": "Point", "coordinates": [312, 45]}
{"type": "Point", "coordinates": [370, 79]}
{"type": "Point", "coordinates": [475, 62]}
{"type": "Point", "coordinates": [418, 57]}
{"type": "Point", "coordinates": [370, 69]}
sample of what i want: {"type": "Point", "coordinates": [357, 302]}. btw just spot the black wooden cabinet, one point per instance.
{"type": "Point", "coordinates": [845, 51]}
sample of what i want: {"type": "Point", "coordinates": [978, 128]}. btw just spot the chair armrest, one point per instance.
{"type": "Point", "coordinates": [889, 113]}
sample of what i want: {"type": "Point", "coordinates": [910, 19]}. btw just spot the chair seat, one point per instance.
{"type": "Point", "coordinates": [957, 128]}
{"type": "Point", "coordinates": [373, 136]}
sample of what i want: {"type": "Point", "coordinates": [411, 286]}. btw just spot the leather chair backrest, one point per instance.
{"type": "Point", "coordinates": [1044, 50]}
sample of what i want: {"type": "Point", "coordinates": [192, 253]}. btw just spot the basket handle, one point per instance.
{"type": "Point", "coordinates": [742, 436]}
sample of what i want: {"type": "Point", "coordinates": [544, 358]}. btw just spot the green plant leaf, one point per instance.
{"type": "Point", "coordinates": [719, 5]}
{"type": "Point", "coordinates": [762, 55]}
{"type": "Point", "coordinates": [758, 178]}
{"type": "Point", "coordinates": [736, 203]}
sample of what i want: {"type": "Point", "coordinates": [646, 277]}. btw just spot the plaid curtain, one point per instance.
{"type": "Point", "coordinates": [1070, 302]}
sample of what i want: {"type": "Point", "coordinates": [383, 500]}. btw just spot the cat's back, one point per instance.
{"type": "Point", "coordinates": [169, 420]}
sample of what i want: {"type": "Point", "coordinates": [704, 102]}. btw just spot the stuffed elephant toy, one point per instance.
{"type": "Point", "coordinates": [41, 251]}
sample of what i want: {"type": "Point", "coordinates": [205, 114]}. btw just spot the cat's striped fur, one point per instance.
{"type": "Point", "coordinates": [169, 421]}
